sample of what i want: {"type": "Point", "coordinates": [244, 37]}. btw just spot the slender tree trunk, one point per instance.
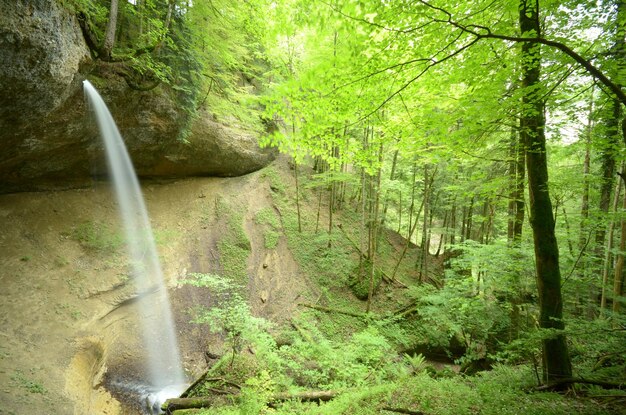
{"type": "Point", "coordinates": [463, 222]}
{"type": "Point", "coordinates": [362, 227]}
{"type": "Point", "coordinates": [140, 11]}
{"type": "Point", "coordinates": [424, 248]}
{"type": "Point", "coordinates": [608, 257]}
{"type": "Point", "coordinates": [453, 222]}
{"type": "Point", "coordinates": [442, 237]}
{"type": "Point", "coordinates": [513, 142]}
{"type": "Point", "coordinates": [319, 208]}
{"type": "Point", "coordinates": [399, 211]}
{"type": "Point", "coordinates": [330, 213]}
{"type": "Point", "coordinates": [585, 235]}
{"type": "Point", "coordinates": [568, 232]}
{"type": "Point", "coordinates": [556, 361]}
{"type": "Point", "coordinates": [109, 34]}
{"type": "Point", "coordinates": [412, 206]}
{"type": "Point", "coordinates": [295, 169]}
{"type": "Point", "coordinates": [584, 205]}
{"type": "Point", "coordinates": [374, 230]}
{"type": "Point", "coordinates": [606, 269]}
{"type": "Point", "coordinates": [519, 191]}
{"type": "Point", "coordinates": [469, 219]}
{"type": "Point", "coordinates": [413, 227]}
{"type": "Point", "coordinates": [618, 278]}
{"type": "Point", "coordinates": [490, 219]}
{"type": "Point", "coordinates": [394, 162]}
{"type": "Point", "coordinates": [620, 49]}
{"type": "Point", "coordinates": [612, 122]}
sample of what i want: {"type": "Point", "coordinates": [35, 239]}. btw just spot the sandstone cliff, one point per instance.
{"type": "Point", "coordinates": [47, 137]}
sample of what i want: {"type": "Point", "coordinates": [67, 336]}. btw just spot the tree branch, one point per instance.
{"type": "Point", "coordinates": [558, 385]}
{"type": "Point", "coordinates": [333, 310]}
{"type": "Point", "coordinates": [487, 34]}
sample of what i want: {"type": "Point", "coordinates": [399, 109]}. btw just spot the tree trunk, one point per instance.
{"type": "Point", "coordinates": [618, 278]}
{"type": "Point", "coordinates": [412, 229]}
{"type": "Point", "coordinates": [331, 202]}
{"type": "Point", "coordinates": [374, 230]}
{"type": "Point", "coordinates": [463, 219]}
{"type": "Point", "coordinates": [519, 191]}
{"type": "Point", "coordinates": [620, 48]}
{"type": "Point", "coordinates": [399, 211]}
{"type": "Point", "coordinates": [319, 208]}
{"type": "Point", "coordinates": [109, 34]}
{"type": "Point", "coordinates": [394, 163]}
{"type": "Point", "coordinates": [453, 222]}
{"type": "Point", "coordinates": [295, 169]}
{"type": "Point", "coordinates": [424, 248]}
{"type": "Point", "coordinates": [513, 142]}
{"type": "Point", "coordinates": [609, 248]}
{"type": "Point", "coordinates": [585, 236]}
{"type": "Point", "coordinates": [556, 361]}
{"type": "Point", "coordinates": [568, 233]}
{"type": "Point", "coordinates": [442, 237]}
{"type": "Point", "coordinates": [412, 206]}
{"type": "Point", "coordinates": [468, 224]}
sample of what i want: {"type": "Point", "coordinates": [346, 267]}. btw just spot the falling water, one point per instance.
{"type": "Point", "coordinates": [163, 365]}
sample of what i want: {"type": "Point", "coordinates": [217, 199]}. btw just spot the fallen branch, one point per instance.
{"type": "Point", "coordinates": [307, 396]}
{"type": "Point", "coordinates": [407, 309]}
{"type": "Point", "coordinates": [402, 411]}
{"type": "Point", "coordinates": [333, 310]}
{"type": "Point", "coordinates": [204, 378]}
{"type": "Point", "coordinates": [560, 384]}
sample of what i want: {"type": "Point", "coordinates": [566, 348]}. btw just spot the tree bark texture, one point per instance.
{"type": "Point", "coordinates": [556, 361]}
{"type": "Point", "coordinates": [109, 35]}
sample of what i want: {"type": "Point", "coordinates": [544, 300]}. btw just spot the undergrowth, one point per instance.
{"type": "Point", "coordinates": [366, 361]}
{"type": "Point", "coordinates": [369, 377]}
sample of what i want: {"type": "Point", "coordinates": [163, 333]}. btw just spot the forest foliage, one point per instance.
{"type": "Point", "coordinates": [487, 135]}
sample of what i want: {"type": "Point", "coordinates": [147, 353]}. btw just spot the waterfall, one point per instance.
{"type": "Point", "coordinates": [163, 363]}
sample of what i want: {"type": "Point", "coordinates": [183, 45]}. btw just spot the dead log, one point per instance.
{"type": "Point", "coordinates": [564, 383]}
{"type": "Point", "coordinates": [402, 411]}
{"type": "Point", "coordinates": [175, 404]}
{"type": "Point", "coordinates": [205, 379]}
{"type": "Point", "coordinates": [307, 396]}
{"type": "Point", "coordinates": [333, 310]}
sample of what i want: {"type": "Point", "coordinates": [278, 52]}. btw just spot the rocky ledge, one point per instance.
{"type": "Point", "coordinates": [48, 139]}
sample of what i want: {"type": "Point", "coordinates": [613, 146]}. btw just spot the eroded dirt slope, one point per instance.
{"type": "Point", "coordinates": [68, 308]}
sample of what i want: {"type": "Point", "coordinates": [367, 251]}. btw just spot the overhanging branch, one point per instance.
{"type": "Point", "coordinates": [483, 32]}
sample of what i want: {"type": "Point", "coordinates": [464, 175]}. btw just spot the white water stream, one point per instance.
{"type": "Point", "coordinates": [163, 364]}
